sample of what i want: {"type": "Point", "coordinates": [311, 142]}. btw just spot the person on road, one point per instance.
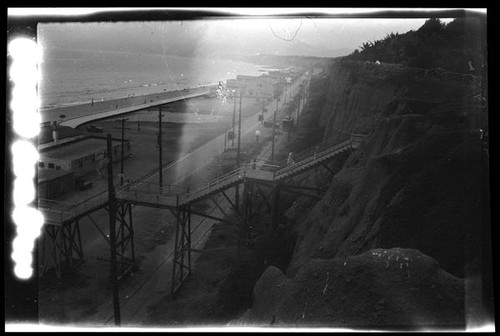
{"type": "Point", "coordinates": [257, 134]}
{"type": "Point", "coordinates": [290, 161]}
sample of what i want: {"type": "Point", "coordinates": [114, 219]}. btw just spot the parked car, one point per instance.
{"type": "Point", "coordinates": [269, 123]}
{"type": "Point", "coordinates": [94, 129]}
{"type": "Point", "coordinates": [83, 184]}
{"type": "Point", "coordinates": [287, 123]}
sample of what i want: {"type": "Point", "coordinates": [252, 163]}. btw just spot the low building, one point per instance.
{"type": "Point", "coordinates": [82, 156]}
{"type": "Point", "coordinates": [54, 183]}
{"type": "Point", "coordinates": [263, 86]}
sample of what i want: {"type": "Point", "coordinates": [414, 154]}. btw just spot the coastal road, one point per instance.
{"type": "Point", "coordinates": [193, 163]}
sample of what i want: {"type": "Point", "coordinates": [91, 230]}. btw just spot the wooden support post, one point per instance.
{"type": "Point", "coordinates": [237, 198]}
{"type": "Point", "coordinates": [176, 249]}
{"type": "Point", "coordinates": [245, 210]}
{"type": "Point", "coordinates": [274, 132]}
{"type": "Point", "coordinates": [160, 148]}
{"type": "Point", "coordinates": [275, 214]}
{"type": "Point", "coordinates": [131, 228]}
{"type": "Point", "coordinates": [234, 119]}
{"type": "Point", "coordinates": [249, 194]}
{"type": "Point", "coordinates": [112, 238]}
{"type": "Point", "coordinates": [268, 205]}
{"type": "Point", "coordinates": [329, 170]}
{"type": "Point", "coordinates": [80, 250]}
{"type": "Point", "coordinates": [122, 152]}
{"type": "Point", "coordinates": [187, 248]}
{"type": "Point", "coordinates": [182, 248]}
{"type": "Point", "coordinates": [231, 203]}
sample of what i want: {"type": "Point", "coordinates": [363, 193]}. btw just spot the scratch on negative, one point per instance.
{"type": "Point", "coordinates": [326, 284]}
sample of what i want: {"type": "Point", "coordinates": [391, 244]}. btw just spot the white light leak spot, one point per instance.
{"type": "Point", "coordinates": [24, 191]}
{"type": "Point", "coordinates": [29, 223]}
{"type": "Point", "coordinates": [24, 157]}
{"type": "Point", "coordinates": [24, 76]}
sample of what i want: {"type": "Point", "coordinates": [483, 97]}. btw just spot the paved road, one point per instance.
{"type": "Point", "coordinates": [193, 163]}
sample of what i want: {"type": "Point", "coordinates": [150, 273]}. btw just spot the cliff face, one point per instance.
{"type": "Point", "coordinates": [418, 182]}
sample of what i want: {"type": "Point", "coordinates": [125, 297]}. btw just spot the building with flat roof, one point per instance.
{"type": "Point", "coordinates": [82, 156]}
{"type": "Point", "coordinates": [54, 183]}
{"type": "Point", "coordinates": [263, 86]}
{"type": "Point", "coordinates": [67, 155]}
{"type": "Point", "coordinates": [53, 134]}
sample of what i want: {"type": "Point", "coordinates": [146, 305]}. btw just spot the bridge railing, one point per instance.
{"type": "Point", "coordinates": [211, 185]}
{"type": "Point", "coordinates": [90, 203]}
{"type": "Point", "coordinates": [49, 204]}
{"type": "Point", "coordinates": [56, 212]}
{"type": "Point", "coordinates": [316, 155]}
{"type": "Point", "coordinates": [63, 211]}
{"type": "Point", "coordinates": [155, 188]}
{"type": "Point", "coordinates": [319, 151]}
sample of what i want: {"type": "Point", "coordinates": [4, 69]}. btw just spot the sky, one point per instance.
{"type": "Point", "coordinates": [323, 37]}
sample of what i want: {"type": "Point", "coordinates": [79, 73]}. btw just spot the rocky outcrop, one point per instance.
{"type": "Point", "coordinates": [379, 289]}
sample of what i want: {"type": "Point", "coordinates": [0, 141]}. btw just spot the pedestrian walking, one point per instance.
{"type": "Point", "coordinates": [257, 134]}
{"type": "Point", "coordinates": [290, 161]}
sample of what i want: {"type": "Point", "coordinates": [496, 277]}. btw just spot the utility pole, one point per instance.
{"type": "Point", "coordinates": [121, 163]}
{"type": "Point", "coordinates": [262, 112]}
{"type": "Point", "coordinates": [298, 108]}
{"type": "Point", "coordinates": [160, 158]}
{"type": "Point", "coordinates": [225, 136]}
{"type": "Point", "coordinates": [274, 126]}
{"type": "Point", "coordinates": [112, 237]}
{"type": "Point", "coordinates": [237, 194]}
{"type": "Point", "coordinates": [234, 114]}
{"type": "Point", "coordinates": [239, 132]}
{"type": "Point", "coordinates": [284, 86]}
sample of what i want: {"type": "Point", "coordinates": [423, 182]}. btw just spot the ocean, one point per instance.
{"type": "Point", "coordinates": [79, 76]}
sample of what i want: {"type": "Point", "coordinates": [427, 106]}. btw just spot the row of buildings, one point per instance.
{"type": "Point", "coordinates": [67, 155]}
{"type": "Point", "coordinates": [268, 85]}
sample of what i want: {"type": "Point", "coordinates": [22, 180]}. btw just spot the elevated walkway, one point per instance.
{"type": "Point", "coordinates": [62, 219]}
{"type": "Point", "coordinates": [172, 196]}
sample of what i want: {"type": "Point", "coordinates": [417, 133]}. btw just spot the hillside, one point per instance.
{"type": "Point", "coordinates": [397, 240]}
{"type": "Point", "coordinates": [458, 46]}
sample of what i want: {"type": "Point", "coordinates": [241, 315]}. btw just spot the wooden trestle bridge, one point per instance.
{"type": "Point", "coordinates": [62, 230]}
